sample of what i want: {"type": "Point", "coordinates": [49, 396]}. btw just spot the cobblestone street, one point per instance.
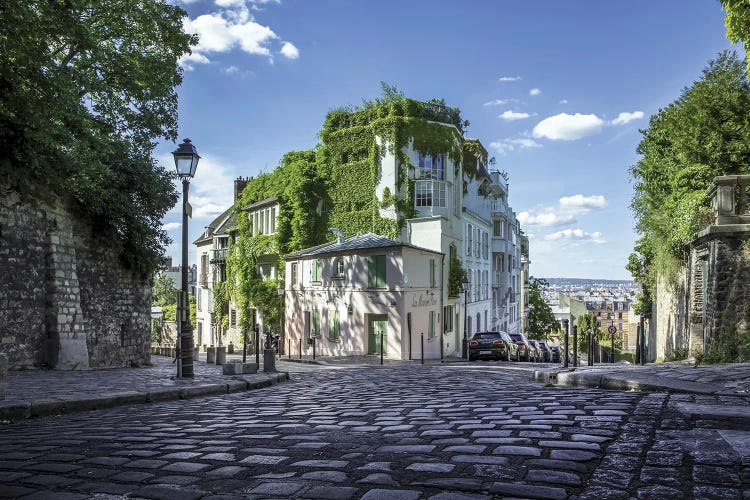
{"type": "Point", "coordinates": [402, 431]}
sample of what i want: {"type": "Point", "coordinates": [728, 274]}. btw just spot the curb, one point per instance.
{"type": "Point", "coordinates": [13, 411]}
{"type": "Point", "coordinates": [304, 361]}
{"type": "Point", "coordinates": [625, 382]}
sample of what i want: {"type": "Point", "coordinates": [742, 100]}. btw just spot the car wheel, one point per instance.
{"type": "Point", "coordinates": [472, 358]}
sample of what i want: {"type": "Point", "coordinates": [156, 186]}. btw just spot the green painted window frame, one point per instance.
{"type": "Point", "coordinates": [315, 331]}
{"type": "Point", "coordinates": [317, 270]}
{"type": "Point", "coordinates": [431, 325]}
{"type": "Point", "coordinates": [432, 272]}
{"type": "Point", "coordinates": [376, 274]}
{"type": "Point", "coordinates": [334, 325]}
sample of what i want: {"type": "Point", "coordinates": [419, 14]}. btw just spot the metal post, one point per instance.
{"type": "Point", "coordinates": [244, 344]}
{"type": "Point", "coordinates": [408, 327]}
{"type": "Point", "coordinates": [381, 347]}
{"type": "Point", "coordinates": [281, 323]}
{"type": "Point", "coordinates": [289, 348]}
{"type": "Point", "coordinates": [465, 343]}
{"type": "Point", "coordinates": [643, 342]}
{"type": "Point", "coordinates": [421, 336]}
{"type": "Point", "coordinates": [177, 357]}
{"type": "Point", "coordinates": [313, 347]}
{"type": "Point", "coordinates": [300, 347]}
{"type": "Point", "coordinates": [575, 346]}
{"type": "Point", "coordinates": [613, 347]}
{"type": "Point", "coordinates": [186, 329]}
{"type": "Point", "coordinates": [256, 329]}
{"type": "Point", "coordinates": [590, 357]}
{"type": "Point", "coordinates": [565, 326]}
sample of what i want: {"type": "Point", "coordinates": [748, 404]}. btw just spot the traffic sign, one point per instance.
{"type": "Point", "coordinates": [612, 329]}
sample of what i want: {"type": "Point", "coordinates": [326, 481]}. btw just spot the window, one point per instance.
{"type": "Point", "coordinates": [233, 318]}
{"type": "Point", "coordinates": [477, 242]}
{"type": "Point", "coordinates": [315, 331]}
{"type": "Point", "coordinates": [273, 220]}
{"type": "Point", "coordinates": [376, 271]}
{"type": "Point", "coordinates": [431, 325]}
{"type": "Point", "coordinates": [432, 272]}
{"type": "Point", "coordinates": [485, 245]}
{"type": "Point", "coordinates": [198, 301]}
{"type": "Point", "coordinates": [432, 167]}
{"type": "Point", "coordinates": [334, 326]}
{"type": "Point", "coordinates": [447, 319]}
{"type": "Point", "coordinates": [317, 269]}
{"type": "Point", "coordinates": [338, 268]}
{"type": "Point", "coordinates": [497, 228]}
{"type": "Point", "coordinates": [295, 272]}
{"type": "Point", "coordinates": [469, 238]}
{"type": "Point", "coordinates": [429, 194]}
{"type": "Point", "coordinates": [619, 315]}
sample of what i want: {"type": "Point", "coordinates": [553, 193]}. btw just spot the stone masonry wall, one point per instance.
{"type": "Point", "coordinates": [669, 332]}
{"type": "Point", "coordinates": [65, 300]}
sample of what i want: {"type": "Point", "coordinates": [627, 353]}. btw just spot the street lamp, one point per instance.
{"type": "Point", "coordinates": [280, 291]}
{"type": "Point", "coordinates": [185, 161]}
{"type": "Point", "coordinates": [465, 343]}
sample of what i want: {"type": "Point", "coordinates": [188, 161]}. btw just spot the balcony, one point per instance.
{"type": "Point", "coordinates": [203, 280]}
{"type": "Point", "coordinates": [218, 255]}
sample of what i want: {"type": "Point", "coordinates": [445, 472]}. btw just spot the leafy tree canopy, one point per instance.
{"type": "Point", "coordinates": [737, 21]}
{"type": "Point", "coordinates": [542, 320]}
{"type": "Point", "coordinates": [703, 134]}
{"type": "Point", "coordinates": [86, 88]}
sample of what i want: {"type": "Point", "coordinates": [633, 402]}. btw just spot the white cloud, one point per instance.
{"type": "Point", "coordinates": [563, 101]}
{"type": "Point", "coordinates": [502, 146]}
{"type": "Point", "coordinates": [230, 70]}
{"type": "Point", "coordinates": [189, 60]}
{"type": "Point", "coordinates": [545, 219]}
{"type": "Point", "coordinates": [233, 27]}
{"type": "Point", "coordinates": [510, 116]}
{"type": "Point", "coordinates": [577, 235]}
{"type": "Point", "coordinates": [580, 203]}
{"type": "Point", "coordinates": [170, 226]}
{"type": "Point", "coordinates": [565, 127]}
{"type": "Point", "coordinates": [535, 91]}
{"type": "Point", "coordinates": [498, 102]}
{"type": "Point", "coordinates": [625, 118]}
{"type": "Point", "coordinates": [289, 51]}
{"type": "Point", "coordinates": [508, 78]}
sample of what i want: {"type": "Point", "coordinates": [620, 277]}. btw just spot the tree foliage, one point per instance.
{"type": "Point", "coordinates": [542, 320]}
{"type": "Point", "coordinates": [737, 21]}
{"type": "Point", "coordinates": [703, 134]}
{"type": "Point", "coordinates": [86, 87]}
{"type": "Point", "coordinates": [163, 291]}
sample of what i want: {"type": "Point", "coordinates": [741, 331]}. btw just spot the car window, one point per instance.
{"type": "Point", "coordinates": [486, 336]}
{"type": "Point", "coordinates": [516, 336]}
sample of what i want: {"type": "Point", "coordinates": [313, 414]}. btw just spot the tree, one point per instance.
{"type": "Point", "coordinates": [587, 322]}
{"type": "Point", "coordinates": [542, 320]}
{"type": "Point", "coordinates": [737, 21]}
{"type": "Point", "coordinates": [703, 134]}
{"type": "Point", "coordinates": [164, 292]}
{"type": "Point", "coordinates": [86, 88]}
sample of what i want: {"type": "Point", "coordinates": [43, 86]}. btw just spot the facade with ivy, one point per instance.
{"type": "Point", "coordinates": [397, 168]}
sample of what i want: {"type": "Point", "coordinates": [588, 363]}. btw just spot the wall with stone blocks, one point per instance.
{"type": "Point", "coordinates": [66, 301]}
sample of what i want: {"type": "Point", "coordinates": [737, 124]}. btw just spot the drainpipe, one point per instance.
{"type": "Point", "coordinates": [441, 311]}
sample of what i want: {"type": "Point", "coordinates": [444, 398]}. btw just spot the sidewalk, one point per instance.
{"type": "Point", "coordinates": [681, 377]}
{"type": "Point", "coordinates": [37, 393]}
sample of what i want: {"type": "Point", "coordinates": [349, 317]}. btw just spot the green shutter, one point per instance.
{"type": "Point", "coordinates": [381, 271]}
{"type": "Point", "coordinates": [334, 328]}
{"type": "Point", "coordinates": [431, 329]}
{"type": "Point", "coordinates": [432, 272]}
{"type": "Point", "coordinates": [316, 322]}
{"type": "Point", "coordinates": [376, 271]}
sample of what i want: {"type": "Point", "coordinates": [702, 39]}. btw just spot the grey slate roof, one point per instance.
{"type": "Point", "coordinates": [214, 225]}
{"type": "Point", "coordinates": [357, 242]}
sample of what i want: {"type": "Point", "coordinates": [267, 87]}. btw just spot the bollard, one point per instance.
{"type": "Point", "coordinates": [565, 326]}
{"type": "Point", "coordinates": [421, 340]}
{"type": "Point", "coordinates": [575, 346]}
{"type": "Point", "coordinates": [211, 354]}
{"type": "Point", "coordinates": [313, 347]}
{"type": "Point", "coordinates": [381, 348]}
{"type": "Point", "coordinates": [221, 355]}
{"type": "Point", "coordinates": [638, 344]}
{"type": "Point", "coordinates": [196, 353]}
{"type": "Point", "coordinates": [257, 345]}
{"type": "Point", "coordinates": [289, 349]}
{"type": "Point", "coordinates": [300, 347]}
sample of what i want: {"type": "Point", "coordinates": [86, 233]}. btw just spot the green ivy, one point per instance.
{"type": "Point", "coordinates": [455, 275]}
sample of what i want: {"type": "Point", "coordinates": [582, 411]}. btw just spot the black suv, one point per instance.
{"type": "Point", "coordinates": [492, 345]}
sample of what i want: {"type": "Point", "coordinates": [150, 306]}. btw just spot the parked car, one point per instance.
{"type": "Point", "coordinates": [492, 345]}
{"type": "Point", "coordinates": [535, 351]}
{"type": "Point", "coordinates": [546, 354]}
{"type": "Point", "coordinates": [556, 353]}
{"type": "Point", "coordinates": [524, 350]}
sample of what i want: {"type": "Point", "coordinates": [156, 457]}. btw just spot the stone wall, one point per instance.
{"type": "Point", "coordinates": [667, 335]}
{"type": "Point", "coordinates": [66, 302]}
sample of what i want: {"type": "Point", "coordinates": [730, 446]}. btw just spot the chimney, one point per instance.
{"type": "Point", "coordinates": [240, 183]}
{"type": "Point", "coordinates": [339, 235]}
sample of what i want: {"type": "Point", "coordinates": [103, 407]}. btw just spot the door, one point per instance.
{"type": "Point", "coordinates": [377, 332]}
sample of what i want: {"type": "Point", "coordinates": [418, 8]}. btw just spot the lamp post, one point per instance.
{"type": "Point", "coordinates": [280, 291]}
{"type": "Point", "coordinates": [465, 343]}
{"type": "Point", "coordinates": [185, 161]}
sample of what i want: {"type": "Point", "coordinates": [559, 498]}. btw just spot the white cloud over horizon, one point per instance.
{"type": "Point", "coordinates": [534, 91]}
{"type": "Point", "coordinates": [509, 79]}
{"type": "Point", "coordinates": [545, 219]}
{"type": "Point", "coordinates": [576, 235]}
{"type": "Point", "coordinates": [511, 115]}
{"type": "Point", "coordinates": [502, 146]}
{"type": "Point", "coordinates": [564, 213]}
{"type": "Point", "coordinates": [566, 127]}
{"type": "Point", "coordinates": [580, 203]}
{"type": "Point", "coordinates": [625, 118]}
{"type": "Point", "coordinates": [211, 190]}
{"type": "Point", "coordinates": [289, 50]}
{"type": "Point", "coordinates": [499, 102]}
{"type": "Point", "coordinates": [171, 226]}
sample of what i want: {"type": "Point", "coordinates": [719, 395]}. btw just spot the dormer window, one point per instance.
{"type": "Point", "coordinates": [432, 166]}
{"type": "Point", "coordinates": [338, 268]}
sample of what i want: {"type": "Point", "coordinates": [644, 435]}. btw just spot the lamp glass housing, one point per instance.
{"type": "Point", "coordinates": [186, 159]}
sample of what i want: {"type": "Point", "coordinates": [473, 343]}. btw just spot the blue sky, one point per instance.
{"type": "Point", "coordinates": [555, 90]}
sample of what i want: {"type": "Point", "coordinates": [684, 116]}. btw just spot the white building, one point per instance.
{"type": "Point", "coordinates": [360, 293]}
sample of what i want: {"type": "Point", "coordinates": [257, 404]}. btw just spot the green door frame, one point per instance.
{"type": "Point", "coordinates": [373, 340]}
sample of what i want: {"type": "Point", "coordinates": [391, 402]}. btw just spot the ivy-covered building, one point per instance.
{"type": "Point", "coordinates": [401, 169]}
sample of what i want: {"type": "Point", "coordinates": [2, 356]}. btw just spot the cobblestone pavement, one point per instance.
{"type": "Point", "coordinates": [403, 431]}
{"type": "Point", "coordinates": [36, 384]}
